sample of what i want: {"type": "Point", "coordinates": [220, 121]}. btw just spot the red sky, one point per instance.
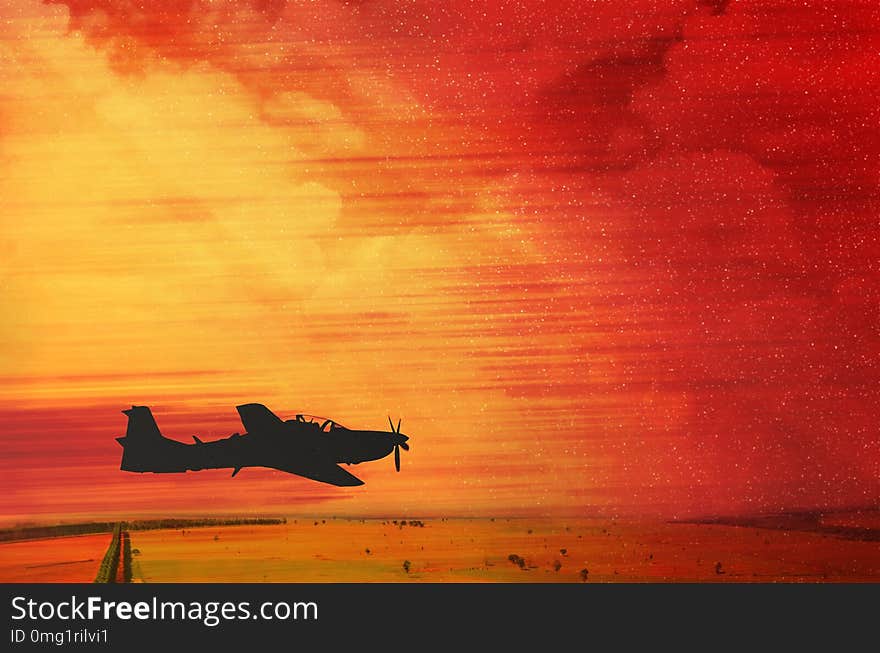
{"type": "Point", "coordinates": [600, 257]}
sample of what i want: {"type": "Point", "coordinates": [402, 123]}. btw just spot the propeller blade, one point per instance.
{"type": "Point", "coordinates": [405, 446]}
{"type": "Point", "coordinates": [391, 423]}
{"type": "Point", "coordinates": [397, 458]}
{"type": "Point", "coordinates": [398, 426]}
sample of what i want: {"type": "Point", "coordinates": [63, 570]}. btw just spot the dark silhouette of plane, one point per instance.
{"type": "Point", "coordinates": [303, 446]}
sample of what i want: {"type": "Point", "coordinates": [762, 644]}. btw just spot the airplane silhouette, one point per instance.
{"type": "Point", "coordinates": [301, 446]}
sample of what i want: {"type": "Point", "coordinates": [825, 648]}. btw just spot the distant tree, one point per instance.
{"type": "Point", "coordinates": [583, 574]}
{"type": "Point", "coordinates": [406, 565]}
{"type": "Point", "coordinates": [517, 560]}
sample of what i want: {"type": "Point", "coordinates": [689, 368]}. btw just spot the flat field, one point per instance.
{"type": "Point", "coordinates": [72, 559]}
{"type": "Point", "coordinates": [501, 550]}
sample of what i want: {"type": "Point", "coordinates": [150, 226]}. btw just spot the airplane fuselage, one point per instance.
{"type": "Point", "coordinates": [296, 446]}
{"type": "Point", "coordinates": [273, 451]}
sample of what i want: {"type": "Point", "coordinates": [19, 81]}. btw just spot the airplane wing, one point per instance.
{"type": "Point", "coordinates": [258, 419]}
{"type": "Point", "coordinates": [325, 472]}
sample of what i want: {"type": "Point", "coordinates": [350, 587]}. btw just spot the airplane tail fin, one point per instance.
{"type": "Point", "coordinates": [142, 431]}
{"type": "Point", "coordinates": [141, 426]}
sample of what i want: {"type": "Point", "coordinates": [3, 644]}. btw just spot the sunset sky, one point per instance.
{"type": "Point", "coordinates": [600, 257]}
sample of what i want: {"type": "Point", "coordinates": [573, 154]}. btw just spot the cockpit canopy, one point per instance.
{"type": "Point", "coordinates": [320, 423]}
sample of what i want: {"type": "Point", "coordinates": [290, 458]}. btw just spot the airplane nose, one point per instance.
{"type": "Point", "coordinates": [399, 440]}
